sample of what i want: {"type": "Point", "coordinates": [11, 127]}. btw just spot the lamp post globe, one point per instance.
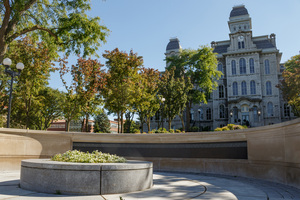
{"type": "Point", "coordinates": [20, 66]}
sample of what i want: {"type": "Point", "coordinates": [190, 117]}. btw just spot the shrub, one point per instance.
{"type": "Point", "coordinates": [82, 157]}
{"type": "Point", "coordinates": [230, 126]}
{"type": "Point", "coordinates": [218, 129]}
{"type": "Point", "coordinates": [171, 131]}
{"type": "Point", "coordinates": [194, 129]}
{"type": "Point", "coordinates": [225, 128]}
{"type": "Point", "coordinates": [238, 127]}
{"type": "Point", "coordinates": [152, 131]}
{"type": "Point", "coordinates": [177, 131]}
{"type": "Point", "coordinates": [161, 130]}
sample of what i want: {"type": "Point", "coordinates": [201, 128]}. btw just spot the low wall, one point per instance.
{"type": "Point", "coordinates": [43, 175]}
{"type": "Point", "coordinates": [273, 152]}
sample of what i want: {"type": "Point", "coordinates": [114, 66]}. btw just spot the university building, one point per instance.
{"type": "Point", "coordinates": [247, 92]}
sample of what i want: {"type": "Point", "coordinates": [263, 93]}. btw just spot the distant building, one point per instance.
{"type": "Point", "coordinates": [75, 126]}
{"type": "Point", "coordinates": [247, 92]}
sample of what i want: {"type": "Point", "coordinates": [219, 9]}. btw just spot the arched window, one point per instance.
{"type": "Point", "coordinates": [220, 68]}
{"type": "Point", "coordinates": [255, 114]}
{"type": "Point", "coordinates": [286, 110]}
{"type": "Point", "coordinates": [268, 88]}
{"type": "Point", "coordinates": [221, 91]}
{"type": "Point", "coordinates": [235, 89]}
{"type": "Point", "coordinates": [267, 66]}
{"type": "Point", "coordinates": [201, 116]}
{"type": "Point", "coordinates": [222, 111]}
{"type": "Point", "coordinates": [233, 67]}
{"type": "Point", "coordinates": [252, 87]}
{"type": "Point", "coordinates": [244, 88]}
{"type": "Point", "coordinates": [208, 114]}
{"type": "Point", "coordinates": [251, 63]}
{"type": "Point", "coordinates": [242, 66]}
{"type": "Point", "coordinates": [270, 109]}
{"type": "Point", "coordinates": [235, 114]}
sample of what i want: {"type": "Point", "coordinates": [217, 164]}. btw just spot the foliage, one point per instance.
{"type": "Point", "coordinates": [62, 24]}
{"type": "Point", "coordinates": [291, 83]}
{"type": "Point", "coordinates": [171, 131]}
{"type": "Point", "coordinates": [28, 98]}
{"type": "Point", "coordinates": [174, 91]}
{"type": "Point", "coordinates": [194, 129]}
{"type": "Point", "coordinates": [102, 124]}
{"type": "Point", "coordinates": [121, 78]}
{"type": "Point", "coordinates": [177, 131]}
{"type": "Point", "coordinates": [200, 66]}
{"type": "Point", "coordinates": [82, 157]}
{"type": "Point", "coordinates": [87, 80]}
{"type": "Point", "coordinates": [134, 126]}
{"type": "Point", "coordinates": [231, 127]}
{"type": "Point", "coordinates": [161, 130]}
{"type": "Point", "coordinates": [146, 102]}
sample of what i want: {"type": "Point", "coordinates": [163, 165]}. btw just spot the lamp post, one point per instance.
{"type": "Point", "coordinates": [20, 66]}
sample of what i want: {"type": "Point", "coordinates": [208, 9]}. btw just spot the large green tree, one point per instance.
{"type": "Point", "coordinates": [200, 66]}
{"type": "Point", "coordinates": [121, 80]}
{"type": "Point", "coordinates": [146, 99]}
{"type": "Point", "coordinates": [290, 83]}
{"type": "Point", "coordinates": [175, 92]}
{"type": "Point", "coordinates": [87, 80]}
{"type": "Point", "coordinates": [33, 79]}
{"type": "Point", "coordinates": [62, 24]}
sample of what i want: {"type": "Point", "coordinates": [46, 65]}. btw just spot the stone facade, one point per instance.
{"type": "Point", "coordinates": [247, 92]}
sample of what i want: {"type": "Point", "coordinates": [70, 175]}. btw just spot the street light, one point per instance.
{"type": "Point", "coordinates": [20, 66]}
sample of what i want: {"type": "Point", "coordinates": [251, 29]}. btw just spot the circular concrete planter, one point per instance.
{"type": "Point", "coordinates": [44, 175]}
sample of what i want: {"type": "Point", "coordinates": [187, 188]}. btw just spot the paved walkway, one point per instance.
{"type": "Point", "coordinates": [170, 186]}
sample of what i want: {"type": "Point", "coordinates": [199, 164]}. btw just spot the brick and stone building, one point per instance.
{"type": "Point", "coordinates": [247, 92]}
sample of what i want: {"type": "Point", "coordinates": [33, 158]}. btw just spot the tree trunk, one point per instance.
{"type": "Point", "coordinates": [121, 122]}
{"type": "Point", "coordinates": [170, 121]}
{"type": "Point", "coordinates": [87, 123]}
{"type": "Point", "coordinates": [68, 125]}
{"type": "Point", "coordinates": [188, 117]}
{"type": "Point", "coordinates": [148, 125]}
{"type": "Point", "coordinates": [118, 122]}
{"type": "Point", "coordinates": [182, 122]}
{"type": "Point", "coordinates": [3, 49]}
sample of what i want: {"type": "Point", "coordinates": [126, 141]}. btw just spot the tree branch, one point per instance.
{"type": "Point", "coordinates": [5, 19]}
{"type": "Point", "coordinates": [26, 30]}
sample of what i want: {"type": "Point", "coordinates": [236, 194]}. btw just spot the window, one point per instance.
{"type": "Point", "coordinates": [235, 88]}
{"type": "Point", "coordinates": [251, 63]}
{"type": "Point", "coordinates": [244, 88]}
{"type": "Point", "coordinates": [241, 45]}
{"type": "Point", "coordinates": [221, 91]}
{"type": "Point", "coordinates": [252, 87]}
{"type": "Point", "coordinates": [192, 115]}
{"type": "Point", "coordinates": [208, 114]}
{"type": "Point", "coordinates": [270, 109]}
{"type": "Point", "coordinates": [286, 110]}
{"type": "Point", "coordinates": [267, 67]}
{"type": "Point", "coordinates": [220, 68]}
{"type": "Point", "coordinates": [233, 67]}
{"type": "Point", "coordinates": [268, 88]}
{"type": "Point", "coordinates": [255, 114]}
{"type": "Point", "coordinates": [242, 66]}
{"type": "Point", "coordinates": [201, 117]}
{"type": "Point", "coordinates": [235, 114]}
{"type": "Point", "coordinates": [222, 111]}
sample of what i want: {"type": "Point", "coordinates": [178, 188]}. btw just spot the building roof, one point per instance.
{"type": "Point", "coordinates": [173, 44]}
{"type": "Point", "coordinates": [221, 49]}
{"type": "Point", "coordinates": [263, 44]}
{"type": "Point", "coordinates": [238, 11]}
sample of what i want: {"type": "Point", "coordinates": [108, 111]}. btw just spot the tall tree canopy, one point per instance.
{"type": "Point", "coordinates": [200, 66]}
{"type": "Point", "coordinates": [62, 24]}
{"type": "Point", "coordinates": [291, 83]}
{"type": "Point", "coordinates": [121, 80]}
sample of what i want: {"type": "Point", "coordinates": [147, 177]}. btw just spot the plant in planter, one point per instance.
{"type": "Point", "coordinates": [82, 157]}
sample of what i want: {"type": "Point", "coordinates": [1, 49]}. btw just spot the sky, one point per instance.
{"type": "Point", "coordinates": [146, 26]}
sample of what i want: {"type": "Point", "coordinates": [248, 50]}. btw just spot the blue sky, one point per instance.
{"type": "Point", "coordinates": [146, 26]}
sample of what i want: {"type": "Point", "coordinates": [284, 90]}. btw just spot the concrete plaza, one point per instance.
{"type": "Point", "coordinates": [174, 186]}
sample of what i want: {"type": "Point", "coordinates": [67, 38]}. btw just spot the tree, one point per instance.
{"type": "Point", "coordinates": [102, 124]}
{"type": "Point", "coordinates": [62, 24]}
{"type": "Point", "coordinates": [147, 101]}
{"type": "Point", "coordinates": [121, 79]}
{"type": "Point", "coordinates": [290, 84]}
{"type": "Point", "coordinates": [175, 91]}
{"type": "Point", "coordinates": [33, 79]}
{"type": "Point", "coordinates": [87, 81]}
{"type": "Point", "coordinates": [201, 67]}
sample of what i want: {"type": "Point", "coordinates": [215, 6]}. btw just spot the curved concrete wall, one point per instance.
{"type": "Point", "coordinates": [273, 151]}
